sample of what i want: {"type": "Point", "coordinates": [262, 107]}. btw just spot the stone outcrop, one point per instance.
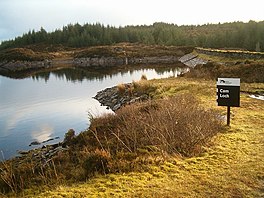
{"type": "Point", "coordinates": [40, 155]}
{"type": "Point", "coordinates": [102, 61]}
{"type": "Point", "coordinates": [45, 141]}
{"type": "Point", "coordinates": [16, 66]}
{"type": "Point", "coordinates": [115, 99]}
{"type": "Point", "coordinates": [117, 61]}
{"type": "Point", "coordinates": [191, 60]}
{"type": "Point", "coordinates": [13, 66]}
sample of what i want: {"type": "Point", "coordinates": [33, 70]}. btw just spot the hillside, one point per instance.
{"type": "Point", "coordinates": [236, 35]}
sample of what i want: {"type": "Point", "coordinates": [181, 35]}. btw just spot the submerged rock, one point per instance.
{"type": "Point", "coordinates": [34, 143]}
{"type": "Point", "coordinates": [23, 152]}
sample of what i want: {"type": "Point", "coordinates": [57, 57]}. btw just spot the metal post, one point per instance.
{"type": "Point", "coordinates": [228, 115]}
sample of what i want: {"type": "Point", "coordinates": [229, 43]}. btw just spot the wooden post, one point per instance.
{"type": "Point", "coordinates": [228, 115]}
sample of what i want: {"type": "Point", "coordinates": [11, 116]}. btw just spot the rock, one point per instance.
{"type": "Point", "coordinates": [123, 100]}
{"type": "Point", "coordinates": [34, 143]}
{"type": "Point", "coordinates": [144, 97]}
{"type": "Point", "coordinates": [111, 98]}
{"type": "Point", "coordinates": [114, 101]}
{"type": "Point", "coordinates": [134, 100]}
{"type": "Point", "coordinates": [15, 66]}
{"type": "Point", "coordinates": [191, 60]}
{"type": "Point", "coordinates": [117, 61]}
{"type": "Point", "coordinates": [23, 152]}
{"type": "Point", "coordinates": [50, 139]}
{"type": "Point", "coordinates": [116, 107]}
{"type": "Point", "coordinates": [54, 146]}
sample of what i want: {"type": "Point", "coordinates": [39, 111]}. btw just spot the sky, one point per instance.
{"type": "Point", "coordinates": [20, 16]}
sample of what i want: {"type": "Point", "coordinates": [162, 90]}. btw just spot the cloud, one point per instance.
{"type": "Point", "coordinates": [44, 133]}
{"type": "Point", "coordinates": [14, 119]}
{"type": "Point", "coordinates": [20, 16]}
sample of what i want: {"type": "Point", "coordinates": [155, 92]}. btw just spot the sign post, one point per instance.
{"type": "Point", "coordinates": [228, 116]}
{"type": "Point", "coordinates": [228, 94]}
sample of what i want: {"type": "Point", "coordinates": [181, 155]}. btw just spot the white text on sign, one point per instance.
{"type": "Point", "coordinates": [224, 93]}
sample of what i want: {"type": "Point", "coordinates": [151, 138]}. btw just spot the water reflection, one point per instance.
{"type": "Point", "coordinates": [43, 134]}
{"type": "Point", "coordinates": [80, 74]}
{"type": "Point", "coordinates": [47, 104]}
{"type": "Point", "coordinates": [259, 97]}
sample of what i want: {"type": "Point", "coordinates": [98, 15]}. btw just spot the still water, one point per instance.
{"type": "Point", "coordinates": [46, 105]}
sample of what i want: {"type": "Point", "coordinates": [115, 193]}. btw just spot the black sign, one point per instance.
{"type": "Point", "coordinates": [228, 92]}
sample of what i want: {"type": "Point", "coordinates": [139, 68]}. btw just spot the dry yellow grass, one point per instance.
{"type": "Point", "coordinates": [233, 166]}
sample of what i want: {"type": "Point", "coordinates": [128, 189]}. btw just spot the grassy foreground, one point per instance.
{"type": "Point", "coordinates": [232, 166]}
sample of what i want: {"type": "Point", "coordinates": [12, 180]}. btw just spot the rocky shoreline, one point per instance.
{"type": "Point", "coordinates": [17, 66]}
{"type": "Point", "coordinates": [41, 155]}
{"type": "Point", "coordinates": [110, 97]}
{"type": "Point", "coordinates": [117, 61]}
{"type": "Point", "coordinates": [44, 154]}
{"type": "Point", "coordinates": [182, 56]}
{"type": "Point", "coordinates": [114, 98]}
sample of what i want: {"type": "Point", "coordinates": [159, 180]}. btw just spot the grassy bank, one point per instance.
{"type": "Point", "coordinates": [42, 52]}
{"type": "Point", "coordinates": [231, 164]}
{"type": "Point", "coordinates": [23, 54]}
{"type": "Point", "coordinates": [248, 70]}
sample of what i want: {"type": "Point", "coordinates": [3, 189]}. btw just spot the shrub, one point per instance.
{"type": "Point", "coordinates": [96, 161]}
{"type": "Point", "coordinates": [174, 125]}
{"type": "Point", "coordinates": [143, 87]}
{"type": "Point", "coordinates": [13, 178]}
{"type": "Point", "coordinates": [121, 88]}
{"type": "Point", "coordinates": [69, 136]}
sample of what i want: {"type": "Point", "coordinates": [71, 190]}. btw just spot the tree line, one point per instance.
{"type": "Point", "coordinates": [249, 36]}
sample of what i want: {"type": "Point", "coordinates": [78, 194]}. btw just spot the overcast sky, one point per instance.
{"type": "Point", "coordinates": [20, 16]}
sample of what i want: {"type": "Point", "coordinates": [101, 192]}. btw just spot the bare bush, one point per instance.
{"type": "Point", "coordinates": [11, 180]}
{"type": "Point", "coordinates": [174, 125]}
{"type": "Point", "coordinates": [15, 176]}
{"type": "Point", "coordinates": [96, 161]}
